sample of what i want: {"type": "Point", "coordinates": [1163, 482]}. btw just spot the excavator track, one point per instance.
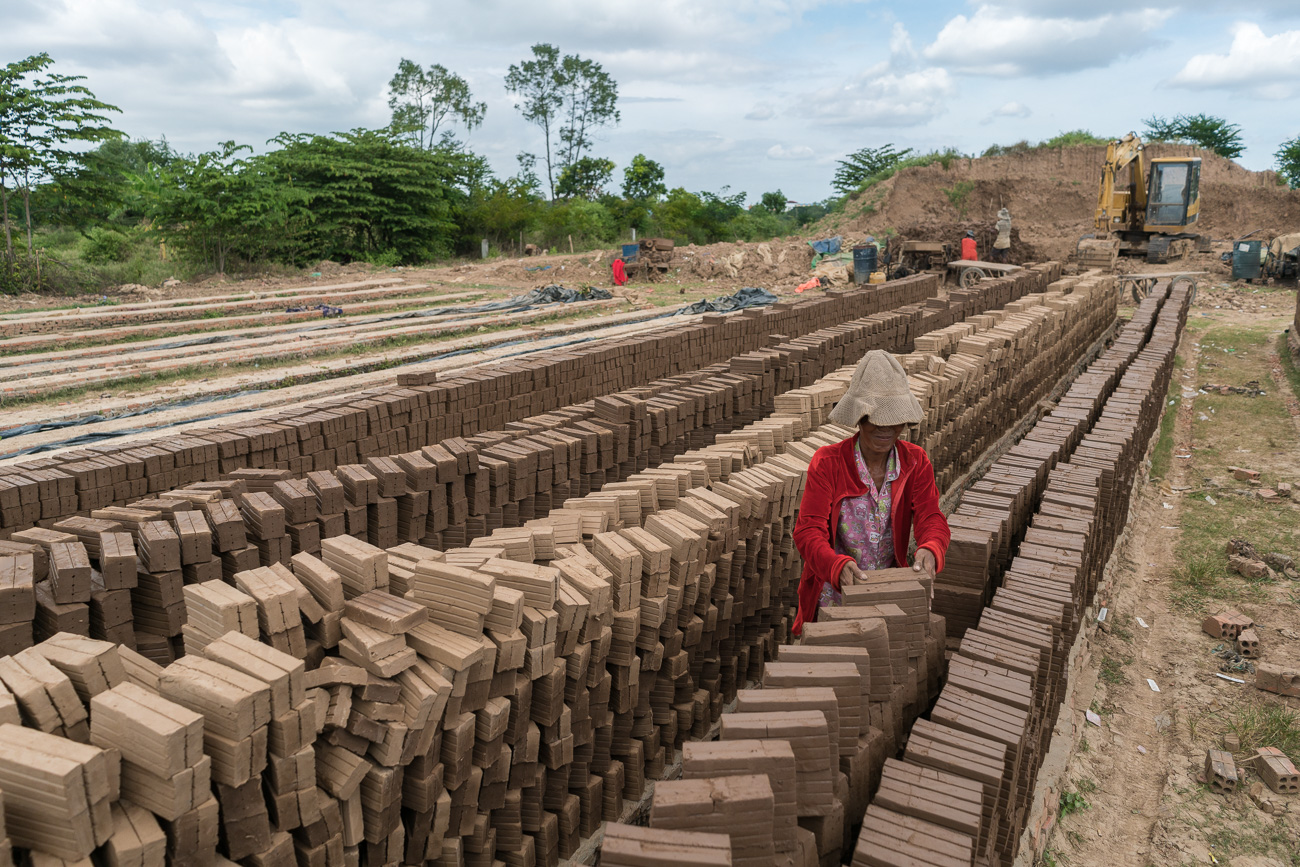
{"type": "Point", "coordinates": [1163, 249]}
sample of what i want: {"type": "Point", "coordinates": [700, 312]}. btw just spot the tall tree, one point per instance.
{"type": "Point", "coordinates": [643, 179]}
{"type": "Point", "coordinates": [590, 102]}
{"type": "Point", "coordinates": [774, 202]}
{"type": "Point", "coordinates": [43, 115]}
{"type": "Point", "coordinates": [539, 85]}
{"type": "Point", "coordinates": [423, 100]}
{"type": "Point", "coordinates": [568, 97]}
{"type": "Point", "coordinates": [1211, 133]}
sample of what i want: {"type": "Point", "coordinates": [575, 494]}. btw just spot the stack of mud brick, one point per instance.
{"type": "Point", "coordinates": [993, 514]}
{"type": "Point", "coordinates": [1052, 516]}
{"type": "Point", "coordinates": [403, 419]}
{"type": "Point", "coordinates": [399, 703]}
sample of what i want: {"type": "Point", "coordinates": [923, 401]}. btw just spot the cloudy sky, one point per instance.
{"type": "Point", "coordinates": [753, 94]}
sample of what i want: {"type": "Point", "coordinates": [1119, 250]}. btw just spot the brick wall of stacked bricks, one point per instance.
{"type": "Point", "coordinates": [327, 434]}
{"type": "Point", "coordinates": [492, 701]}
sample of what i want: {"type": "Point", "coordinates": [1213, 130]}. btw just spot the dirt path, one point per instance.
{"type": "Point", "coordinates": [1132, 794]}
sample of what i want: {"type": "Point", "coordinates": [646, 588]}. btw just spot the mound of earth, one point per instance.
{"type": "Point", "coordinates": [1052, 195]}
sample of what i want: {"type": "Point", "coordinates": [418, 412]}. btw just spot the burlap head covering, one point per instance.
{"type": "Point", "coordinates": [878, 390]}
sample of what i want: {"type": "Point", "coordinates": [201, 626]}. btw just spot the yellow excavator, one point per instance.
{"type": "Point", "coordinates": [1152, 216]}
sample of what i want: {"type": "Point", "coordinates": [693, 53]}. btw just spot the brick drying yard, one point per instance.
{"type": "Point", "coordinates": [516, 587]}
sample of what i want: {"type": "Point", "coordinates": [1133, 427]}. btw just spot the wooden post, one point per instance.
{"type": "Point", "coordinates": [570, 243]}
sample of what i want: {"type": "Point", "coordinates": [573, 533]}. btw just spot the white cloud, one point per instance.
{"type": "Point", "coordinates": [999, 42]}
{"type": "Point", "coordinates": [1263, 66]}
{"type": "Point", "coordinates": [884, 98]}
{"type": "Point", "coordinates": [798, 152]}
{"type": "Point", "coordinates": [1011, 109]}
{"type": "Point", "coordinates": [761, 111]}
{"type": "Point", "coordinates": [896, 92]}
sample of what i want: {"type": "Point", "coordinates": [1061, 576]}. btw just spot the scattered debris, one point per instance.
{"type": "Point", "coordinates": [1092, 718]}
{"type": "Point", "coordinates": [1250, 389]}
{"type": "Point", "coordinates": [1248, 567]}
{"type": "Point", "coordinates": [1263, 798]}
{"type": "Point", "coordinates": [1242, 474]}
{"type": "Point", "coordinates": [1284, 490]}
{"type": "Point", "coordinates": [1142, 623]}
{"type": "Point", "coordinates": [1231, 679]}
{"type": "Point", "coordinates": [1151, 683]}
{"type": "Point", "coordinates": [1232, 660]}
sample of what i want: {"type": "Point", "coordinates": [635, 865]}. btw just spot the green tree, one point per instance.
{"type": "Point", "coordinates": [860, 165]}
{"type": "Point", "coordinates": [590, 102]}
{"type": "Point", "coordinates": [643, 179]}
{"type": "Point", "coordinates": [422, 100]}
{"type": "Point", "coordinates": [774, 202]}
{"type": "Point", "coordinates": [585, 178]}
{"type": "Point", "coordinates": [44, 116]}
{"type": "Point", "coordinates": [1203, 130]}
{"type": "Point", "coordinates": [1288, 161]}
{"type": "Point", "coordinates": [539, 84]}
{"type": "Point", "coordinates": [105, 187]}
{"type": "Point", "coordinates": [568, 98]}
{"type": "Point", "coordinates": [221, 205]}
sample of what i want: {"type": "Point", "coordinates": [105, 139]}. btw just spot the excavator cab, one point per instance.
{"type": "Point", "coordinates": [1173, 194]}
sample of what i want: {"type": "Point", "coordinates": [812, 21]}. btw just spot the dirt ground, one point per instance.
{"type": "Point", "coordinates": [1133, 793]}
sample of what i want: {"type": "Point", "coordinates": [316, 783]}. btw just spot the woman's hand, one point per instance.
{"type": "Point", "coordinates": [924, 562]}
{"type": "Point", "coordinates": [850, 575]}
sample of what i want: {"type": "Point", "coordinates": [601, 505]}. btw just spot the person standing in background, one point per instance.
{"type": "Point", "coordinates": [968, 251]}
{"type": "Point", "coordinates": [1002, 246]}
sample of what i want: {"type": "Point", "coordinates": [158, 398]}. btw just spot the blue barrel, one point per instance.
{"type": "Point", "coordinates": [864, 262]}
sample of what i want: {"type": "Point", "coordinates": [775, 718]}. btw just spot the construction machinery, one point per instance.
{"type": "Point", "coordinates": [1151, 217]}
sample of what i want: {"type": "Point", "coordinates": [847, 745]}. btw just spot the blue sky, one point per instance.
{"type": "Point", "coordinates": [756, 95]}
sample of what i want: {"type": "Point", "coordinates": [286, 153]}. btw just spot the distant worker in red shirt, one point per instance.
{"type": "Point", "coordinates": [968, 247]}
{"type": "Point", "coordinates": [865, 496]}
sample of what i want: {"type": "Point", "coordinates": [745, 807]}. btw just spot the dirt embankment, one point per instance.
{"type": "Point", "coordinates": [1052, 195]}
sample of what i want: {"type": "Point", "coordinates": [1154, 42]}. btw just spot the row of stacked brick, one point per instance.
{"type": "Point", "coordinates": [419, 412]}
{"type": "Point", "coordinates": [546, 670]}
{"type": "Point", "coordinates": [443, 495]}
{"type": "Point", "coordinates": [991, 725]}
{"type": "Point", "coordinates": [799, 760]}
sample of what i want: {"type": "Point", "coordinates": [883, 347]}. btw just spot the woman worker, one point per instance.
{"type": "Point", "coordinates": [865, 496]}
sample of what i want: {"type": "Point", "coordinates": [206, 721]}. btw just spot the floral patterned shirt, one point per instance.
{"type": "Point", "coordinates": [864, 531]}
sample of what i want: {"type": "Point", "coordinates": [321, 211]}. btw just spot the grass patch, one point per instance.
{"type": "Point", "coordinates": [1265, 725]}
{"type": "Point", "coordinates": [1228, 430]}
{"type": "Point", "coordinates": [1112, 669]}
{"type": "Point", "coordinates": [1162, 454]}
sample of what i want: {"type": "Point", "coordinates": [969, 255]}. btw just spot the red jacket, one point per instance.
{"type": "Point", "coordinates": [968, 249]}
{"type": "Point", "coordinates": [833, 478]}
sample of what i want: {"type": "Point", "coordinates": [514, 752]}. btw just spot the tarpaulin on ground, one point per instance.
{"type": "Point", "coordinates": [747, 297]}
{"type": "Point", "coordinates": [827, 246]}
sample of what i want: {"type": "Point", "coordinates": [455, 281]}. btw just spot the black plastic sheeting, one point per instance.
{"type": "Point", "coordinates": [553, 294]}
{"type": "Point", "coordinates": [747, 297]}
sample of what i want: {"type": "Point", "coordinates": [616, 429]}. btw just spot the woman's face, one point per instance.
{"type": "Point", "coordinates": [876, 440]}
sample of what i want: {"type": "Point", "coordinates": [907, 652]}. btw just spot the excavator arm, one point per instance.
{"type": "Point", "coordinates": [1115, 208]}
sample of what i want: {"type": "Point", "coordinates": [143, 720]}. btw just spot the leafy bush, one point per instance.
{"type": "Point", "coordinates": [1211, 133]}
{"type": "Point", "coordinates": [103, 246]}
{"type": "Point", "coordinates": [1288, 161]}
